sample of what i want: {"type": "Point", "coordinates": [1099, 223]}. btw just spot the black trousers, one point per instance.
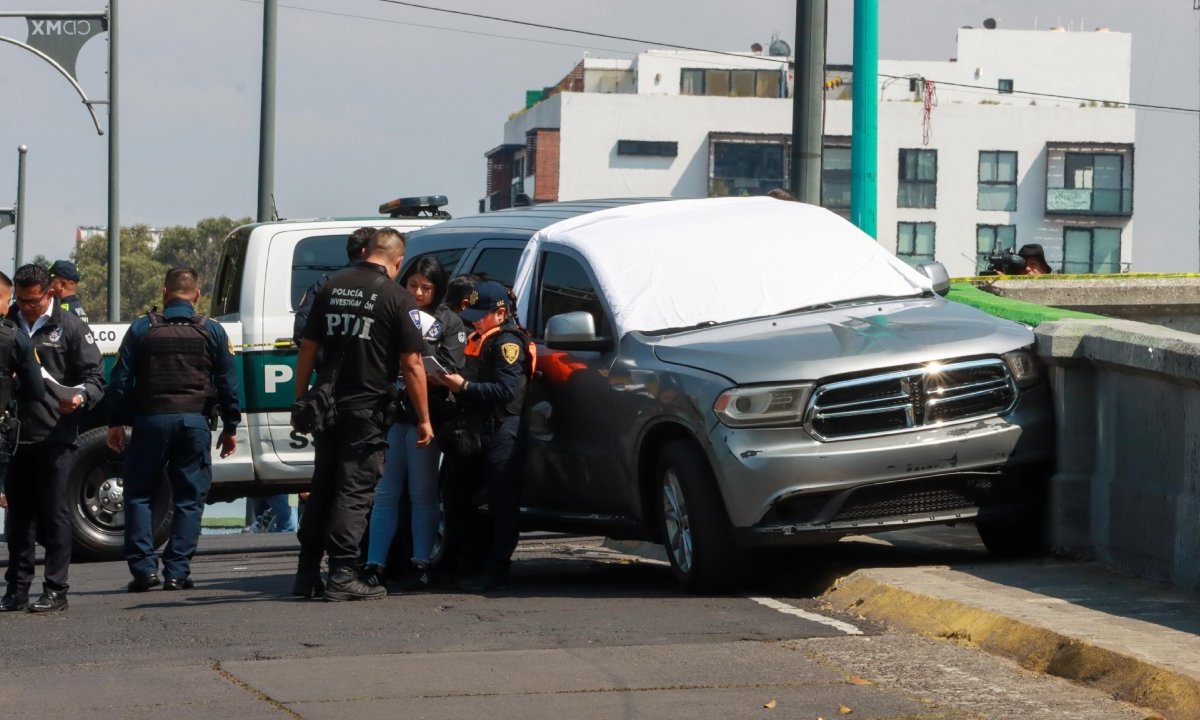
{"type": "Point", "coordinates": [488, 542]}
{"type": "Point", "coordinates": [38, 509]}
{"type": "Point", "coordinates": [347, 466]}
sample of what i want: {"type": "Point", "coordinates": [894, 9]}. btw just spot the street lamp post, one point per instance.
{"type": "Point", "coordinates": [19, 245]}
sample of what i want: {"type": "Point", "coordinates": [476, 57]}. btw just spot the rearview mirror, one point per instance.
{"type": "Point", "coordinates": [937, 274]}
{"type": "Point", "coordinates": [574, 331]}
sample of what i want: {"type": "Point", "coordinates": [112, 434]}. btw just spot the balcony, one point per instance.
{"type": "Point", "coordinates": [1089, 201]}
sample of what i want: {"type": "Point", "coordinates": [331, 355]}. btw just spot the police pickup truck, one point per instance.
{"type": "Point", "coordinates": [264, 270]}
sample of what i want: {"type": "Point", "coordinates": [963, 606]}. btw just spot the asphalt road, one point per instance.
{"type": "Point", "coordinates": [582, 632]}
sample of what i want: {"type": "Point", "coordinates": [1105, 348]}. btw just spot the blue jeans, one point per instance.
{"type": "Point", "coordinates": [406, 468]}
{"type": "Point", "coordinates": [284, 519]}
{"type": "Point", "coordinates": [178, 443]}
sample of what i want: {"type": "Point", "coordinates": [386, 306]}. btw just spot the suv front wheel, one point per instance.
{"type": "Point", "coordinates": [693, 524]}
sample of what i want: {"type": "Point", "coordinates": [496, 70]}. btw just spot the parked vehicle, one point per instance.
{"type": "Point", "coordinates": [263, 272]}
{"type": "Point", "coordinates": [729, 374]}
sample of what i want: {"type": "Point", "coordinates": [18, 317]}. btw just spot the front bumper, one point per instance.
{"type": "Point", "coordinates": [781, 486]}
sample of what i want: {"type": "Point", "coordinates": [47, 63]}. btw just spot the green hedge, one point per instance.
{"type": "Point", "coordinates": [1018, 310]}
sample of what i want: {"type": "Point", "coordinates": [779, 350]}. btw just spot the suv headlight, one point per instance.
{"type": "Point", "coordinates": [764, 405]}
{"type": "Point", "coordinates": [1024, 365]}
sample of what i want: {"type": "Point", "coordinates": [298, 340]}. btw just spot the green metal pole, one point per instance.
{"type": "Point", "coordinates": [864, 147]}
{"type": "Point", "coordinates": [114, 172]}
{"type": "Point", "coordinates": [266, 118]}
{"type": "Point", "coordinates": [19, 246]}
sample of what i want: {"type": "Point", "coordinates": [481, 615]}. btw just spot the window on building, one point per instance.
{"type": "Point", "coordinates": [1099, 172]}
{"type": "Point", "coordinates": [313, 257]}
{"type": "Point", "coordinates": [656, 148]}
{"type": "Point", "coordinates": [835, 177]}
{"type": "Point", "coordinates": [991, 239]}
{"type": "Point", "coordinates": [565, 288]}
{"type": "Point", "coordinates": [997, 180]}
{"type": "Point", "coordinates": [730, 83]}
{"type": "Point", "coordinates": [1005, 86]}
{"type": "Point", "coordinates": [747, 167]}
{"type": "Point", "coordinates": [1091, 250]}
{"type": "Point", "coordinates": [918, 179]}
{"type": "Point", "coordinates": [914, 242]}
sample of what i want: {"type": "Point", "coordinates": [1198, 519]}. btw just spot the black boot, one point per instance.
{"type": "Point", "coordinates": [344, 584]}
{"type": "Point", "coordinates": [308, 582]}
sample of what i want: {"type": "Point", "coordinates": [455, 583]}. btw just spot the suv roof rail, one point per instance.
{"type": "Point", "coordinates": [427, 205]}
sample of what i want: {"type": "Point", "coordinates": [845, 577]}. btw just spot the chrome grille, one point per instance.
{"type": "Point", "coordinates": [906, 399]}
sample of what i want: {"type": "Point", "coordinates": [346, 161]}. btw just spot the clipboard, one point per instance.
{"type": "Point", "coordinates": [433, 367]}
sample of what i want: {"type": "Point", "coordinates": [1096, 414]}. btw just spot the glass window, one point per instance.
{"type": "Point", "coordinates": [991, 239]}
{"type": "Point", "coordinates": [447, 258]}
{"type": "Point", "coordinates": [566, 288]}
{"type": "Point", "coordinates": [747, 168]}
{"type": "Point", "coordinates": [743, 83]}
{"type": "Point", "coordinates": [1101, 173]}
{"type": "Point", "coordinates": [691, 82]}
{"type": "Point", "coordinates": [997, 180]}
{"type": "Point", "coordinates": [313, 257]}
{"type": "Point", "coordinates": [498, 265]}
{"type": "Point", "coordinates": [914, 242]}
{"type": "Point", "coordinates": [660, 148]}
{"type": "Point", "coordinates": [227, 291]}
{"type": "Point", "coordinates": [1005, 86]}
{"type": "Point", "coordinates": [1091, 250]}
{"type": "Point", "coordinates": [918, 179]}
{"type": "Point", "coordinates": [766, 84]}
{"type": "Point", "coordinates": [835, 177]}
{"type": "Point", "coordinates": [716, 82]}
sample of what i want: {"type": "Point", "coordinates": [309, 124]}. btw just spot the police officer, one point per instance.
{"type": "Point", "coordinates": [37, 480]}
{"type": "Point", "coordinates": [355, 244]}
{"type": "Point", "coordinates": [492, 386]}
{"type": "Point", "coordinates": [20, 378]}
{"type": "Point", "coordinates": [170, 367]}
{"type": "Point", "coordinates": [362, 330]}
{"type": "Point", "coordinates": [64, 282]}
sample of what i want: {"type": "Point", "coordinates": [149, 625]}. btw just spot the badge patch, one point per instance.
{"type": "Point", "coordinates": [56, 334]}
{"type": "Point", "coordinates": [435, 332]}
{"type": "Point", "coordinates": [89, 339]}
{"type": "Point", "coordinates": [510, 351]}
{"type": "Point", "coordinates": [416, 317]}
{"type": "Point", "coordinates": [462, 336]}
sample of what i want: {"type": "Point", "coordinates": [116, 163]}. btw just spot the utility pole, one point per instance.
{"type": "Point", "coordinates": [114, 173]}
{"type": "Point", "coordinates": [266, 118]}
{"type": "Point", "coordinates": [19, 245]}
{"type": "Point", "coordinates": [808, 100]}
{"type": "Point", "coordinates": [864, 147]}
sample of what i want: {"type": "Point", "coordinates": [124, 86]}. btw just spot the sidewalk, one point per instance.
{"type": "Point", "coordinates": [1137, 640]}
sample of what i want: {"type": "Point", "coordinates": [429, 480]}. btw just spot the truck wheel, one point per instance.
{"type": "Point", "coordinates": [1021, 532]}
{"type": "Point", "coordinates": [96, 489]}
{"type": "Point", "coordinates": [694, 526]}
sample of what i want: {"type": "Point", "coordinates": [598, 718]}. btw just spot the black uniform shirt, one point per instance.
{"type": "Point", "coordinates": [22, 362]}
{"type": "Point", "coordinates": [71, 303]}
{"type": "Point", "coordinates": [497, 375]}
{"type": "Point", "coordinates": [363, 328]}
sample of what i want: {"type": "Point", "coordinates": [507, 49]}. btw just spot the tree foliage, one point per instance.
{"type": "Point", "coordinates": [144, 263]}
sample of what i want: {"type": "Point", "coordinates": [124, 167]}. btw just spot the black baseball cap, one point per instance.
{"type": "Point", "coordinates": [1031, 250]}
{"type": "Point", "coordinates": [487, 297]}
{"type": "Point", "coordinates": [64, 269]}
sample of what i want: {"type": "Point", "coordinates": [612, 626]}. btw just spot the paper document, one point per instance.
{"type": "Point", "coordinates": [432, 366]}
{"type": "Point", "coordinates": [59, 391]}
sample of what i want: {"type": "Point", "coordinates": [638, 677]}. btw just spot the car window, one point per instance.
{"type": "Point", "coordinates": [313, 257]}
{"type": "Point", "coordinates": [227, 290]}
{"type": "Point", "coordinates": [498, 265]}
{"type": "Point", "coordinates": [566, 287]}
{"type": "Point", "coordinates": [448, 259]}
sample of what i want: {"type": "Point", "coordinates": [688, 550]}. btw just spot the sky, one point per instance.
{"type": "Point", "coordinates": [376, 100]}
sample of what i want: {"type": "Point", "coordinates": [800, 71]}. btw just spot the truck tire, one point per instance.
{"type": "Point", "coordinates": [95, 488]}
{"type": "Point", "coordinates": [1022, 531]}
{"type": "Point", "coordinates": [693, 523]}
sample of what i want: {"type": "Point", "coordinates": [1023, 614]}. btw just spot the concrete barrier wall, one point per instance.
{"type": "Point", "coordinates": [1126, 491]}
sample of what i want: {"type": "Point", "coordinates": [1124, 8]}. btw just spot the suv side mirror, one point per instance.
{"type": "Point", "coordinates": [936, 272]}
{"type": "Point", "coordinates": [574, 331]}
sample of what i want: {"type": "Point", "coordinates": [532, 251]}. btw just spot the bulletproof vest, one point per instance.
{"type": "Point", "coordinates": [172, 367]}
{"type": "Point", "coordinates": [8, 339]}
{"type": "Point", "coordinates": [478, 369]}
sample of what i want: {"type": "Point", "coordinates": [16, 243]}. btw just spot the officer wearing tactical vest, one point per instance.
{"type": "Point", "coordinates": [38, 505]}
{"type": "Point", "coordinates": [20, 378]}
{"type": "Point", "coordinates": [170, 368]}
{"type": "Point", "coordinates": [492, 386]}
{"type": "Point", "coordinates": [64, 281]}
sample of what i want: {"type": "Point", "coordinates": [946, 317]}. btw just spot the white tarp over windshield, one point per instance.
{"type": "Point", "coordinates": [685, 262]}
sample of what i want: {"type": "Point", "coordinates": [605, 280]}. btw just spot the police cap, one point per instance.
{"type": "Point", "coordinates": [487, 297]}
{"type": "Point", "coordinates": [64, 269]}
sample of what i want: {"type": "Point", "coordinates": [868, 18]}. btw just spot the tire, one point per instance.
{"type": "Point", "coordinates": [693, 523]}
{"type": "Point", "coordinates": [1022, 530]}
{"type": "Point", "coordinates": [95, 489]}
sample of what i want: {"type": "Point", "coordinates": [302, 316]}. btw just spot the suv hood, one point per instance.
{"type": "Point", "coordinates": [815, 345]}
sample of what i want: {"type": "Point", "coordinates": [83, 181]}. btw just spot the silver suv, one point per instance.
{"type": "Point", "coordinates": [728, 374]}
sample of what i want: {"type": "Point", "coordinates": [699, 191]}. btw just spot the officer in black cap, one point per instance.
{"type": "Point", "coordinates": [491, 390]}
{"type": "Point", "coordinates": [64, 282]}
{"type": "Point", "coordinates": [171, 366]}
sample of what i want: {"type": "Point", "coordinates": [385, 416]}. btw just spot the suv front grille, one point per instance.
{"type": "Point", "coordinates": [907, 399]}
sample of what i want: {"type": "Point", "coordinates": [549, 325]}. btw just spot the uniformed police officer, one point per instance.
{"type": "Point", "coordinates": [20, 379]}
{"type": "Point", "coordinates": [355, 244]}
{"type": "Point", "coordinates": [37, 480]}
{"type": "Point", "coordinates": [492, 386]}
{"type": "Point", "coordinates": [170, 367]}
{"type": "Point", "coordinates": [362, 330]}
{"type": "Point", "coordinates": [64, 283]}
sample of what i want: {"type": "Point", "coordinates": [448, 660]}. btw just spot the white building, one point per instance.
{"type": "Point", "coordinates": [1029, 142]}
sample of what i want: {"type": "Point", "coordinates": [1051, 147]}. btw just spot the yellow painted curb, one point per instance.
{"type": "Point", "coordinates": [1126, 678]}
